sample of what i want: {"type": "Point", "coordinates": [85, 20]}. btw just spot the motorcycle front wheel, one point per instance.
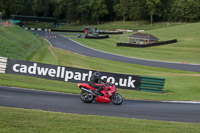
{"type": "Point", "coordinates": [86, 97]}
{"type": "Point", "coordinates": [116, 99]}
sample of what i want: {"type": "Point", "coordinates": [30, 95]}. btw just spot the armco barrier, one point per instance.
{"type": "Point", "coordinates": [3, 64]}
{"type": "Point", "coordinates": [80, 31]}
{"type": "Point", "coordinates": [152, 84]}
{"type": "Point", "coordinates": [97, 37]}
{"type": "Point", "coordinates": [77, 75]}
{"type": "Point", "coordinates": [38, 29]}
{"type": "Point", "coordinates": [110, 32]}
{"type": "Point", "coordinates": [147, 45]}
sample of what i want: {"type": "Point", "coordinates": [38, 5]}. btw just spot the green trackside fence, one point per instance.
{"type": "Point", "coordinates": [152, 84]}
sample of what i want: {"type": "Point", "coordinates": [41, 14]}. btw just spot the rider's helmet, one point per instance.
{"type": "Point", "coordinates": [97, 74]}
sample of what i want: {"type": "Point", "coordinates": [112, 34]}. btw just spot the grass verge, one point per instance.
{"type": "Point", "coordinates": [24, 120]}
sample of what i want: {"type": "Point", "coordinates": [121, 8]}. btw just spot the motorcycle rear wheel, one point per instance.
{"type": "Point", "coordinates": [116, 99]}
{"type": "Point", "coordinates": [86, 97]}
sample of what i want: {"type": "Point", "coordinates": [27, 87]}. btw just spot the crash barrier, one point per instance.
{"type": "Point", "coordinates": [3, 64]}
{"type": "Point", "coordinates": [38, 29]}
{"type": "Point", "coordinates": [100, 32]}
{"type": "Point", "coordinates": [77, 75]}
{"type": "Point", "coordinates": [152, 84]}
{"type": "Point", "coordinates": [34, 18]}
{"type": "Point", "coordinates": [68, 31]}
{"type": "Point", "coordinates": [110, 32]}
{"type": "Point", "coordinates": [146, 45]}
{"type": "Point", "coordinates": [96, 37]}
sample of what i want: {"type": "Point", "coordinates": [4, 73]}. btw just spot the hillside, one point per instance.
{"type": "Point", "coordinates": [17, 43]}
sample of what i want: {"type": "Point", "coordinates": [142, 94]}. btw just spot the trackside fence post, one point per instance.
{"type": "Point", "coordinates": [3, 64]}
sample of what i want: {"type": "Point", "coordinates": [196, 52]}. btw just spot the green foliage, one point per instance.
{"type": "Point", "coordinates": [152, 6]}
{"type": "Point", "coordinates": [122, 9]}
{"type": "Point", "coordinates": [91, 11]}
{"type": "Point", "coordinates": [99, 9]}
{"type": "Point", "coordinates": [185, 10]}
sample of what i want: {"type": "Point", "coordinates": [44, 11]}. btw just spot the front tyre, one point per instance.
{"type": "Point", "coordinates": [86, 97]}
{"type": "Point", "coordinates": [116, 99]}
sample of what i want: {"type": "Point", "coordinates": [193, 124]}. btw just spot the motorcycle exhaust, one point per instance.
{"type": "Point", "coordinates": [90, 91]}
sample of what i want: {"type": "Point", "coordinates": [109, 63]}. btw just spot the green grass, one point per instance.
{"type": "Point", "coordinates": [187, 49]}
{"type": "Point", "coordinates": [32, 121]}
{"type": "Point", "coordinates": [17, 43]}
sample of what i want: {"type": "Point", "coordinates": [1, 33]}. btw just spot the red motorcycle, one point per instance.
{"type": "Point", "coordinates": [109, 94]}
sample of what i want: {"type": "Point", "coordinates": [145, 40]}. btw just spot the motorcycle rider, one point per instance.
{"type": "Point", "coordinates": [96, 82]}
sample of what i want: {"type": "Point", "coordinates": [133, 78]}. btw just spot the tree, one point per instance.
{"type": "Point", "coordinates": [98, 9]}
{"type": "Point", "coordinates": [185, 10]}
{"type": "Point", "coordinates": [8, 8]}
{"type": "Point", "coordinates": [111, 13]}
{"type": "Point", "coordinates": [1, 5]}
{"type": "Point", "coordinates": [43, 8]}
{"type": "Point", "coordinates": [177, 10]}
{"type": "Point", "coordinates": [165, 10]}
{"type": "Point", "coordinates": [22, 7]}
{"type": "Point", "coordinates": [84, 11]}
{"type": "Point", "coordinates": [121, 9]}
{"type": "Point", "coordinates": [152, 8]}
{"type": "Point", "coordinates": [136, 10]}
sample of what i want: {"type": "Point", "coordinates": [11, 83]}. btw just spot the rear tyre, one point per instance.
{"type": "Point", "coordinates": [116, 99]}
{"type": "Point", "coordinates": [86, 97]}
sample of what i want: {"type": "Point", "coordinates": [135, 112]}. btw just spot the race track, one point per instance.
{"type": "Point", "coordinates": [69, 45]}
{"type": "Point", "coordinates": [61, 102]}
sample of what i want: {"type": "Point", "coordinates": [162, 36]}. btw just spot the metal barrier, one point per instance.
{"type": "Point", "coordinates": [3, 64]}
{"type": "Point", "coordinates": [146, 45]}
{"type": "Point", "coordinates": [96, 37]}
{"type": "Point", "coordinates": [152, 84]}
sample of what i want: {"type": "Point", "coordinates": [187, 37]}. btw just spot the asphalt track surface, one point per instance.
{"type": "Point", "coordinates": [69, 45]}
{"type": "Point", "coordinates": [68, 103]}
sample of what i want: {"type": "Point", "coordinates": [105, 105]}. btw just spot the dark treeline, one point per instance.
{"type": "Point", "coordinates": [93, 11]}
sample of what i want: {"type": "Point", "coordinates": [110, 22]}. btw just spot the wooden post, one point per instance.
{"type": "Point", "coordinates": [148, 41]}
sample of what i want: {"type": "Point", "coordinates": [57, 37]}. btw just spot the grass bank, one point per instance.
{"type": "Point", "coordinates": [17, 43]}
{"type": "Point", "coordinates": [24, 120]}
